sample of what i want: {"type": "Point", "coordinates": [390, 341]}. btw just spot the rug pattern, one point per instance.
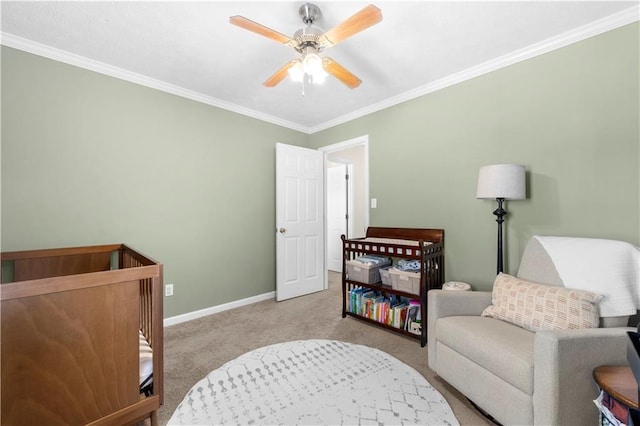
{"type": "Point", "coordinates": [314, 382]}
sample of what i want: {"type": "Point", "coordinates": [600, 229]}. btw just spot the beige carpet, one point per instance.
{"type": "Point", "coordinates": [193, 349]}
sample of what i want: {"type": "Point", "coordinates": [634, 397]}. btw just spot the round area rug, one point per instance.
{"type": "Point", "coordinates": [313, 382]}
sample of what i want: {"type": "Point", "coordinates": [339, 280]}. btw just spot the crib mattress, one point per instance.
{"type": "Point", "coordinates": [146, 362]}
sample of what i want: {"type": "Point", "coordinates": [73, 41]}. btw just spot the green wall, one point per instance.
{"type": "Point", "coordinates": [570, 116]}
{"type": "Point", "coordinates": [89, 159]}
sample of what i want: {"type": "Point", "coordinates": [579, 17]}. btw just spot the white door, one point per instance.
{"type": "Point", "coordinates": [299, 221]}
{"type": "Point", "coordinates": [337, 213]}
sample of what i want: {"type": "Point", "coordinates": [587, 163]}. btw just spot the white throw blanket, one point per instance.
{"type": "Point", "coordinates": [607, 267]}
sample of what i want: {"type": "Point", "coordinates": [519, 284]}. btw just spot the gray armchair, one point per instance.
{"type": "Point", "coordinates": [517, 376]}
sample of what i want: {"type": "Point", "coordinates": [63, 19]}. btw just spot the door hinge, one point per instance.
{"type": "Point", "coordinates": [346, 177]}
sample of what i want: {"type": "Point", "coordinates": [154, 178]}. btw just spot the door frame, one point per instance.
{"type": "Point", "coordinates": [347, 168]}
{"type": "Point", "coordinates": [341, 146]}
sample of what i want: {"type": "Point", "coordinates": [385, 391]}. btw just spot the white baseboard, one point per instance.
{"type": "Point", "coordinates": [219, 308]}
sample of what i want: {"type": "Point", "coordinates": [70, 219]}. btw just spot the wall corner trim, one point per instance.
{"type": "Point", "coordinates": [46, 51]}
{"type": "Point", "coordinates": [218, 308]}
{"type": "Point", "coordinates": [601, 26]}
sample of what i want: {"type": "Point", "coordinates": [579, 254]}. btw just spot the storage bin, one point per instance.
{"type": "Point", "coordinates": [405, 281]}
{"type": "Point", "coordinates": [363, 272]}
{"type": "Point", "coordinates": [384, 275]}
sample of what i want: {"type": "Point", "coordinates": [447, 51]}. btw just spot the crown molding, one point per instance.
{"type": "Point", "coordinates": [611, 22]}
{"type": "Point", "coordinates": [608, 23]}
{"type": "Point", "coordinates": [59, 55]}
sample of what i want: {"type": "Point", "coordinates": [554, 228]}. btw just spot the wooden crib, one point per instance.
{"type": "Point", "coordinates": [70, 331]}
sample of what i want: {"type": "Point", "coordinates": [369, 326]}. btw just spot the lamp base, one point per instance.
{"type": "Point", "coordinates": [500, 214]}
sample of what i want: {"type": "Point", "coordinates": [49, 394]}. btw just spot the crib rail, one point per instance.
{"type": "Point", "coordinates": [129, 258]}
{"type": "Point", "coordinates": [150, 310]}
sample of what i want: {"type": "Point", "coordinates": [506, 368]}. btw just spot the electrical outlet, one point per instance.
{"type": "Point", "coordinates": [168, 290]}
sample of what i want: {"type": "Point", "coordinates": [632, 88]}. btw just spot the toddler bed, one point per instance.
{"type": "Point", "coordinates": [81, 336]}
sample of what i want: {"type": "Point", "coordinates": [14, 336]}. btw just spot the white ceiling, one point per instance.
{"type": "Point", "coordinates": [190, 49]}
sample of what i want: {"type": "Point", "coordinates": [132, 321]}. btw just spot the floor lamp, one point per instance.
{"type": "Point", "coordinates": [501, 182]}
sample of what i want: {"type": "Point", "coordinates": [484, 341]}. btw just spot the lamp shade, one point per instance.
{"type": "Point", "coordinates": [502, 181]}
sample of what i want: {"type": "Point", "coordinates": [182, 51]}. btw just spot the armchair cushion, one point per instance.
{"type": "Point", "coordinates": [541, 307]}
{"type": "Point", "coordinates": [497, 346]}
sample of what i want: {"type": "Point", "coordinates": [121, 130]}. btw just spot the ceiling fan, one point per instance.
{"type": "Point", "coordinates": [309, 41]}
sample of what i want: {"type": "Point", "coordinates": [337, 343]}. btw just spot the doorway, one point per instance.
{"type": "Point", "coordinates": [345, 213]}
{"type": "Point", "coordinates": [339, 209]}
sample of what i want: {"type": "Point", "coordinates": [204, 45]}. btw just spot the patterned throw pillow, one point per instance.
{"type": "Point", "coordinates": [542, 307]}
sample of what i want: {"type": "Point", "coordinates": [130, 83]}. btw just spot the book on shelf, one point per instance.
{"type": "Point", "coordinates": [353, 300]}
{"type": "Point", "coordinates": [400, 315]}
{"type": "Point", "coordinates": [413, 324]}
{"type": "Point", "coordinates": [389, 309]}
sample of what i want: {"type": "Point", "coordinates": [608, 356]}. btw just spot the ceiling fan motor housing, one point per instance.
{"type": "Point", "coordinates": [309, 13]}
{"type": "Point", "coordinates": [308, 37]}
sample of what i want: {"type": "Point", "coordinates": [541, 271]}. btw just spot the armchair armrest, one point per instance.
{"type": "Point", "coordinates": [564, 361]}
{"type": "Point", "coordinates": [443, 303]}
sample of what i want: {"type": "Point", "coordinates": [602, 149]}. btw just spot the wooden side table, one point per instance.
{"type": "Point", "coordinates": [618, 381]}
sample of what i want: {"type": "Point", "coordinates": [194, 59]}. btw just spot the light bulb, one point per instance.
{"type": "Point", "coordinates": [296, 72]}
{"type": "Point", "coordinates": [319, 77]}
{"type": "Point", "coordinates": [312, 65]}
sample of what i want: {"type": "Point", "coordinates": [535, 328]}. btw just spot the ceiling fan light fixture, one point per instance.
{"type": "Point", "coordinates": [318, 77]}
{"type": "Point", "coordinates": [312, 65]}
{"type": "Point", "coordinates": [296, 72]}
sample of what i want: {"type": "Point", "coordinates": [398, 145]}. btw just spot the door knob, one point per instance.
{"type": "Point", "coordinates": [282, 230]}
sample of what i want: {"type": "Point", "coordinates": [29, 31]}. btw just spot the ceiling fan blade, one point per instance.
{"type": "Point", "coordinates": [341, 73]}
{"type": "Point", "coordinates": [362, 20]}
{"type": "Point", "coordinates": [252, 26]}
{"type": "Point", "coordinates": [279, 75]}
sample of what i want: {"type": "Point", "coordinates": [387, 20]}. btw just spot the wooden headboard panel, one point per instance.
{"type": "Point", "coordinates": [58, 266]}
{"type": "Point", "coordinates": [433, 235]}
{"type": "Point", "coordinates": [38, 264]}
